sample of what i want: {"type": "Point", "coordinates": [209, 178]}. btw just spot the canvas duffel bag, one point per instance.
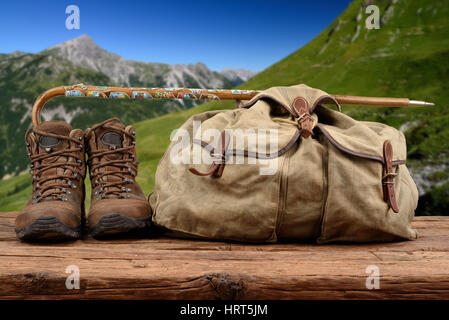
{"type": "Point", "coordinates": [335, 179]}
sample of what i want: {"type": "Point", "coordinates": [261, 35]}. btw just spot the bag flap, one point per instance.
{"type": "Point", "coordinates": [253, 132]}
{"type": "Point", "coordinates": [359, 138]}
{"type": "Point", "coordinates": [284, 97]}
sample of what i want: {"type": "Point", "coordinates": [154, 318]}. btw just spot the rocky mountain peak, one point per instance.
{"type": "Point", "coordinates": [83, 43]}
{"type": "Point", "coordinates": [84, 52]}
{"type": "Point", "coordinates": [82, 40]}
{"type": "Point", "coordinates": [237, 76]}
{"type": "Point", "coordinates": [16, 54]}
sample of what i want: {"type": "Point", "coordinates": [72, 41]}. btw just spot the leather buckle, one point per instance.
{"type": "Point", "coordinates": [301, 107]}
{"type": "Point", "coordinates": [219, 157]}
{"type": "Point", "coordinates": [388, 178]}
{"type": "Point", "coordinates": [217, 167]}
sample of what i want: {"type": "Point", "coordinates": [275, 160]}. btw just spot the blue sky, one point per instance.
{"type": "Point", "coordinates": [236, 34]}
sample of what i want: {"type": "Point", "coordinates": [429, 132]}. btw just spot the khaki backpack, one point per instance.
{"type": "Point", "coordinates": [303, 172]}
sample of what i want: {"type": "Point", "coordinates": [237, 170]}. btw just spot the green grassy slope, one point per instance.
{"type": "Point", "coordinates": [407, 57]}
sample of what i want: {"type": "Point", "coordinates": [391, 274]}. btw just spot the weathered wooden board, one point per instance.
{"type": "Point", "coordinates": [164, 268]}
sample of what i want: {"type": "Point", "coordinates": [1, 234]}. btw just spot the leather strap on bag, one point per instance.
{"type": "Point", "coordinates": [301, 107]}
{"type": "Point", "coordinates": [217, 167]}
{"type": "Point", "coordinates": [388, 178]}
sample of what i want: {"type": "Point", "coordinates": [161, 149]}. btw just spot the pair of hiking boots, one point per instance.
{"type": "Point", "coordinates": [58, 168]}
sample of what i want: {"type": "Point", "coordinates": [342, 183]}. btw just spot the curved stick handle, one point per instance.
{"type": "Point", "coordinates": [41, 100]}
{"type": "Point", "coordinates": [81, 90]}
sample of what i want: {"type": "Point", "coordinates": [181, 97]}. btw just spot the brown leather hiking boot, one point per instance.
{"type": "Point", "coordinates": [118, 204]}
{"type": "Point", "coordinates": [56, 208]}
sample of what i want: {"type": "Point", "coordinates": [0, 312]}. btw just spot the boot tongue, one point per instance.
{"type": "Point", "coordinates": [57, 127]}
{"type": "Point", "coordinates": [51, 144]}
{"type": "Point", "coordinates": [110, 138]}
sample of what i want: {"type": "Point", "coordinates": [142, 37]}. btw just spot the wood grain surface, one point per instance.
{"type": "Point", "coordinates": [165, 268]}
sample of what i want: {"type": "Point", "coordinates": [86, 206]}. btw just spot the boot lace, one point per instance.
{"type": "Point", "coordinates": [57, 189]}
{"type": "Point", "coordinates": [125, 169]}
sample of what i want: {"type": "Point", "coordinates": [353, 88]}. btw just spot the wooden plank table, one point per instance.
{"type": "Point", "coordinates": [164, 268]}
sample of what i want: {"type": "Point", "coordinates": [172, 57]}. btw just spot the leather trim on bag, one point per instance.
{"type": "Point", "coordinates": [326, 99]}
{"type": "Point", "coordinates": [336, 144]}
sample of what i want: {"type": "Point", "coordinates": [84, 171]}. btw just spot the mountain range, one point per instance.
{"type": "Point", "coordinates": [84, 52]}
{"type": "Point", "coordinates": [407, 57]}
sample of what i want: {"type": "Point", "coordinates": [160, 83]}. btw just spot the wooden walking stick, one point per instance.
{"type": "Point", "coordinates": [81, 90]}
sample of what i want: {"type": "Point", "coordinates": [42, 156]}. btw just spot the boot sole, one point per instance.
{"type": "Point", "coordinates": [118, 224]}
{"type": "Point", "coordinates": [48, 228]}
